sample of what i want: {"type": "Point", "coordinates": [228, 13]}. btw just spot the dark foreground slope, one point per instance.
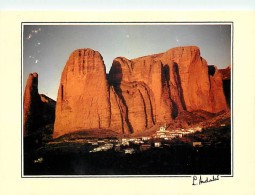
{"type": "Point", "coordinates": [177, 158]}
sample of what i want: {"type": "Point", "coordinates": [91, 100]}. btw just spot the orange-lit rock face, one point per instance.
{"type": "Point", "coordinates": [178, 80]}
{"type": "Point", "coordinates": [137, 104]}
{"type": "Point", "coordinates": [218, 99]}
{"type": "Point", "coordinates": [192, 71]}
{"type": "Point", "coordinates": [138, 94]}
{"type": "Point", "coordinates": [83, 97]}
{"type": "Point", "coordinates": [141, 84]}
{"type": "Point", "coordinates": [31, 105]}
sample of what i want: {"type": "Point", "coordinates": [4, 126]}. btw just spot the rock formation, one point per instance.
{"type": "Point", "coordinates": [38, 110]}
{"type": "Point", "coordinates": [226, 78]}
{"type": "Point", "coordinates": [218, 101]}
{"type": "Point", "coordinates": [83, 95]}
{"type": "Point", "coordinates": [48, 109]}
{"type": "Point", "coordinates": [31, 105]}
{"type": "Point", "coordinates": [226, 73]}
{"type": "Point", "coordinates": [137, 93]}
{"type": "Point", "coordinates": [176, 80]}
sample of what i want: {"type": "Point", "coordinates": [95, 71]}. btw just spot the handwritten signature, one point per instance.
{"type": "Point", "coordinates": [202, 180]}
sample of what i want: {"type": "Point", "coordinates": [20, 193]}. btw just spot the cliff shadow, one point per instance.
{"type": "Point", "coordinates": [211, 70]}
{"type": "Point", "coordinates": [115, 75]}
{"type": "Point", "coordinates": [225, 82]}
{"type": "Point", "coordinates": [227, 91]}
{"type": "Point", "coordinates": [166, 76]}
{"type": "Point", "coordinates": [178, 83]}
{"type": "Point", "coordinates": [166, 79]}
{"type": "Point", "coordinates": [114, 79]}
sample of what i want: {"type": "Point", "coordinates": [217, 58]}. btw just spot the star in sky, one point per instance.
{"type": "Point", "coordinates": [177, 40]}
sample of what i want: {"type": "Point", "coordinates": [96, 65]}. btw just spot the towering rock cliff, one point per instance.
{"type": "Point", "coordinates": [192, 73]}
{"type": "Point", "coordinates": [83, 100]}
{"type": "Point", "coordinates": [195, 81]}
{"type": "Point", "coordinates": [226, 79]}
{"type": "Point", "coordinates": [38, 109]}
{"type": "Point", "coordinates": [176, 80]}
{"type": "Point", "coordinates": [137, 93]}
{"type": "Point", "coordinates": [142, 85]}
{"type": "Point", "coordinates": [31, 106]}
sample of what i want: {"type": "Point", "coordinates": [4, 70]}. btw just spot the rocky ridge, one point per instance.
{"type": "Point", "coordinates": [137, 93]}
{"type": "Point", "coordinates": [38, 109]}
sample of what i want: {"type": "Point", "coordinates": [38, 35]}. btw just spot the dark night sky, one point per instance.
{"type": "Point", "coordinates": [46, 48]}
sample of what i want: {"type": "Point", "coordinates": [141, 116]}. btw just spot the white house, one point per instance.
{"type": "Point", "coordinates": [146, 138]}
{"type": "Point", "coordinates": [129, 151]}
{"type": "Point", "coordinates": [157, 144]}
{"type": "Point", "coordinates": [199, 144]}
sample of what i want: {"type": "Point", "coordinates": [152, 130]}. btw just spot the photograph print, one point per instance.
{"type": "Point", "coordinates": [126, 99]}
